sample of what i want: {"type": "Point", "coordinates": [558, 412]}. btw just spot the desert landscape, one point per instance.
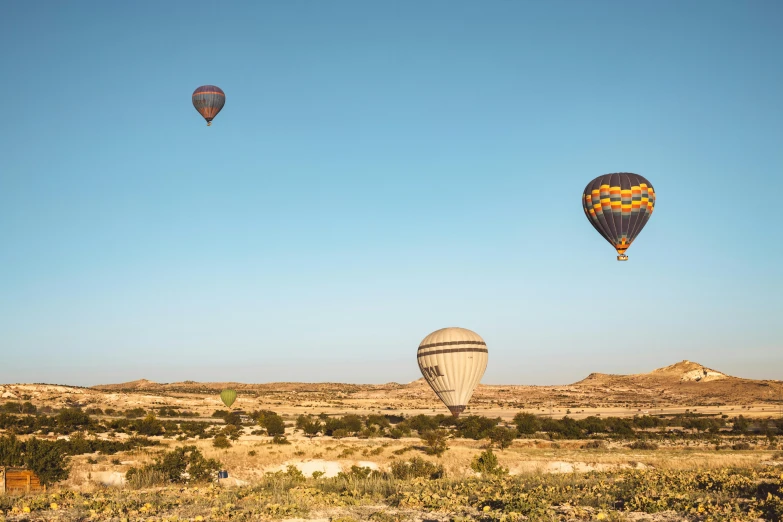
{"type": "Point", "coordinates": [226, 227]}
{"type": "Point", "coordinates": [696, 443]}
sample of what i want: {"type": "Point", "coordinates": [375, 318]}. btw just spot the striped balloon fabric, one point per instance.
{"type": "Point", "coordinates": [208, 100]}
{"type": "Point", "coordinates": [618, 206]}
{"type": "Point", "coordinates": [453, 360]}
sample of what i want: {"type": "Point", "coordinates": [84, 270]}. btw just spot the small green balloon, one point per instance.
{"type": "Point", "coordinates": [228, 397]}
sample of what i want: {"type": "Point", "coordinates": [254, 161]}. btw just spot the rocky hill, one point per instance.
{"type": "Point", "coordinates": [682, 385]}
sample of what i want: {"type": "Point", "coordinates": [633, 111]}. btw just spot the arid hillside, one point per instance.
{"type": "Point", "coordinates": [684, 385]}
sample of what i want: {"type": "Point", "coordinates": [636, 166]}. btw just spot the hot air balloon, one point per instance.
{"type": "Point", "coordinates": [208, 100]}
{"type": "Point", "coordinates": [228, 397]}
{"type": "Point", "coordinates": [453, 361]}
{"type": "Point", "coordinates": [618, 206]}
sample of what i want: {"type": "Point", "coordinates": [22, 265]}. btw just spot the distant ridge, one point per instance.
{"type": "Point", "coordinates": [684, 384]}
{"type": "Point", "coordinates": [683, 371]}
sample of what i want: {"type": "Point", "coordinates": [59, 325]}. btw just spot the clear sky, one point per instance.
{"type": "Point", "coordinates": [382, 170]}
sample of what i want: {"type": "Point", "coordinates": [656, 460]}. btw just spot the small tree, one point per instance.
{"type": "Point", "coordinates": [311, 427]}
{"type": "Point", "coordinates": [221, 441]}
{"type": "Point", "coordinates": [71, 419]}
{"type": "Point", "coordinates": [486, 463]}
{"type": "Point", "coordinates": [47, 459]}
{"type": "Point", "coordinates": [503, 437]}
{"type": "Point", "coordinates": [527, 423]}
{"type": "Point", "coordinates": [232, 432]}
{"type": "Point", "coordinates": [174, 464]}
{"type": "Point", "coordinates": [233, 419]}
{"type": "Point", "coordinates": [274, 425]}
{"type": "Point", "coordinates": [150, 426]}
{"type": "Point", "coordinates": [435, 441]}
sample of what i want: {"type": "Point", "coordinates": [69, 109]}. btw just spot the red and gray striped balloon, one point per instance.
{"type": "Point", "coordinates": [208, 100]}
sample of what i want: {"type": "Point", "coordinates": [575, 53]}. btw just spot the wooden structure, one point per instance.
{"type": "Point", "coordinates": [14, 481]}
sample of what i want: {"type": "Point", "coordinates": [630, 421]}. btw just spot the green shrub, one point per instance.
{"type": "Point", "coordinates": [435, 441]}
{"type": "Point", "coordinates": [46, 458]}
{"type": "Point", "coordinates": [527, 423]}
{"type": "Point", "coordinates": [311, 427]}
{"type": "Point", "coordinates": [486, 463]}
{"type": "Point", "coordinates": [475, 427]}
{"type": "Point", "coordinates": [71, 419]}
{"type": "Point", "coordinates": [502, 437]}
{"type": "Point", "coordinates": [174, 464]}
{"type": "Point", "coordinates": [135, 413]}
{"type": "Point", "coordinates": [221, 441]}
{"type": "Point", "coordinates": [150, 426]}
{"type": "Point", "coordinates": [415, 468]}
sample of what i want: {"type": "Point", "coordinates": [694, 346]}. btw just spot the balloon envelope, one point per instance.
{"type": "Point", "coordinates": [452, 361]}
{"type": "Point", "coordinates": [618, 206]}
{"type": "Point", "coordinates": [228, 397]}
{"type": "Point", "coordinates": [208, 100]}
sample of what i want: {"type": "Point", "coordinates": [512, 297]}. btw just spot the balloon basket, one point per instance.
{"type": "Point", "coordinates": [622, 258]}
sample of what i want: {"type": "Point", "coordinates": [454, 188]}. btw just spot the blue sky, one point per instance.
{"type": "Point", "coordinates": [382, 170]}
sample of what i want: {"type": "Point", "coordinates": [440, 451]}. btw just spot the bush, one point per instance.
{"type": "Point", "coordinates": [435, 441]}
{"type": "Point", "coordinates": [279, 439]}
{"type": "Point", "coordinates": [311, 427]}
{"type": "Point", "coordinates": [46, 458]}
{"type": "Point", "coordinates": [643, 445]}
{"type": "Point", "coordinates": [475, 427]}
{"type": "Point", "coordinates": [422, 423]}
{"type": "Point", "coordinates": [71, 419]}
{"type": "Point", "coordinates": [502, 437]}
{"type": "Point", "coordinates": [739, 446]}
{"type": "Point", "coordinates": [221, 441]}
{"type": "Point", "coordinates": [233, 419]}
{"type": "Point", "coordinates": [174, 464]}
{"type": "Point", "coordinates": [486, 463]}
{"type": "Point", "coordinates": [415, 468]}
{"type": "Point", "coordinates": [274, 425]}
{"type": "Point", "coordinates": [135, 413]}
{"type": "Point", "coordinates": [150, 426]}
{"type": "Point", "coordinates": [527, 423]}
{"type": "Point", "coordinates": [232, 432]}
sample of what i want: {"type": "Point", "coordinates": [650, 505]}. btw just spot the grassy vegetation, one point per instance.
{"type": "Point", "coordinates": [717, 495]}
{"type": "Point", "coordinates": [702, 467]}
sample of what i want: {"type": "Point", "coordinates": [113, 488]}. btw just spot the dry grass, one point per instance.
{"type": "Point", "coordinates": [525, 456]}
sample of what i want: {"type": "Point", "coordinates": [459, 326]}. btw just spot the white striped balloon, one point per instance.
{"type": "Point", "coordinates": [453, 360]}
